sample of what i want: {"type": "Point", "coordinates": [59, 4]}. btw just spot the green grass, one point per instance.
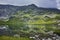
{"type": "Point", "coordinates": [13, 38]}
{"type": "Point", "coordinates": [19, 21]}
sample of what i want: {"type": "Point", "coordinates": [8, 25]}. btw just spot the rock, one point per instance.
{"type": "Point", "coordinates": [32, 37]}
{"type": "Point", "coordinates": [43, 39]}
{"type": "Point", "coordinates": [57, 39]}
{"type": "Point", "coordinates": [58, 24]}
{"type": "Point", "coordinates": [49, 39]}
{"type": "Point", "coordinates": [36, 35]}
{"type": "Point", "coordinates": [50, 33]}
{"type": "Point", "coordinates": [16, 35]}
{"type": "Point", "coordinates": [54, 38]}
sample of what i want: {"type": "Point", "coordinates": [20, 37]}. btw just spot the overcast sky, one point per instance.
{"type": "Point", "coordinates": [40, 3]}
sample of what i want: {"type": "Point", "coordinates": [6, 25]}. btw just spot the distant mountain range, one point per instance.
{"type": "Point", "coordinates": [11, 9]}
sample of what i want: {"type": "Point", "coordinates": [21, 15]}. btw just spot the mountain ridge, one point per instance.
{"type": "Point", "coordinates": [11, 9]}
{"type": "Point", "coordinates": [25, 5]}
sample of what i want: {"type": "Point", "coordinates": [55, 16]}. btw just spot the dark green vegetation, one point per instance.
{"type": "Point", "coordinates": [30, 20]}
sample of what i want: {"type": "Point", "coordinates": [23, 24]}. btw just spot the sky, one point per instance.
{"type": "Point", "coordinates": [39, 3]}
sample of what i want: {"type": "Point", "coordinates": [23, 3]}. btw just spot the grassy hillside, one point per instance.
{"type": "Point", "coordinates": [13, 38]}
{"type": "Point", "coordinates": [31, 21]}
{"type": "Point", "coordinates": [30, 17]}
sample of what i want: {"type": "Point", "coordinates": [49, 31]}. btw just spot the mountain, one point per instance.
{"type": "Point", "coordinates": [29, 17]}
{"type": "Point", "coordinates": [11, 9]}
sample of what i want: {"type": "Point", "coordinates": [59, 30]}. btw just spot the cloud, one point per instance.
{"type": "Point", "coordinates": [58, 4]}
{"type": "Point", "coordinates": [17, 2]}
{"type": "Point", "coordinates": [48, 3]}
